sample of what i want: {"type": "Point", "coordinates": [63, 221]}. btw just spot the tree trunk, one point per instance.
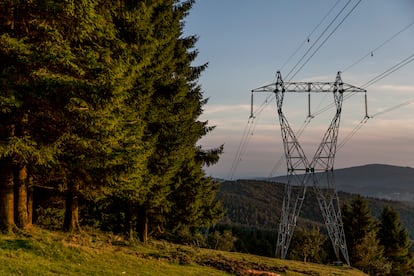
{"type": "Point", "coordinates": [30, 202]}
{"type": "Point", "coordinates": [6, 195]}
{"type": "Point", "coordinates": [130, 221]}
{"type": "Point", "coordinates": [71, 222]}
{"type": "Point", "coordinates": [143, 224]}
{"type": "Point", "coordinates": [22, 210]}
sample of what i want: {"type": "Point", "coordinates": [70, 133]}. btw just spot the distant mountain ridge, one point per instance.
{"type": "Point", "coordinates": [374, 180]}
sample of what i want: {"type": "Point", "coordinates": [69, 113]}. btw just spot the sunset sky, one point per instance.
{"type": "Point", "coordinates": [246, 42]}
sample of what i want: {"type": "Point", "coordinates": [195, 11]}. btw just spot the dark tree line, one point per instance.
{"type": "Point", "coordinates": [378, 243]}
{"type": "Point", "coordinates": [378, 247]}
{"type": "Point", "coordinates": [99, 102]}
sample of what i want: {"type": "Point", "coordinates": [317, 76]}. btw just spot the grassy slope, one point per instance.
{"type": "Point", "coordinates": [40, 252]}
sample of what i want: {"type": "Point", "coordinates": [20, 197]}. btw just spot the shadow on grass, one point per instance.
{"type": "Point", "coordinates": [15, 244]}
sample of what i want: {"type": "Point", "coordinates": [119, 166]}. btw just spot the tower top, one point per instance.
{"type": "Point", "coordinates": [314, 87]}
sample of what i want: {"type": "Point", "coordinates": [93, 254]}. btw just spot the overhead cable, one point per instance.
{"type": "Point", "coordinates": [307, 39]}
{"type": "Point", "coordinates": [323, 42]}
{"type": "Point", "coordinates": [363, 122]}
{"type": "Point", "coordinates": [392, 108]}
{"type": "Point", "coordinates": [389, 71]}
{"type": "Point", "coordinates": [317, 39]}
{"type": "Point", "coordinates": [370, 53]}
{"type": "Point", "coordinates": [239, 150]}
{"type": "Point", "coordinates": [247, 135]}
{"type": "Point", "coordinates": [375, 79]}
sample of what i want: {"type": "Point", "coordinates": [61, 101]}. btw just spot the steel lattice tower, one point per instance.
{"type": "Point", "coordinates": [318, 172]}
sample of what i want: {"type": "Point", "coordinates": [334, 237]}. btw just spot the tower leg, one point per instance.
{"type": "Point", "coordinates": [298, 174]}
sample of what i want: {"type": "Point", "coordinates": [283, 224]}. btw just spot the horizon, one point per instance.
{"type": "Point", "coordinates": [283, 175]}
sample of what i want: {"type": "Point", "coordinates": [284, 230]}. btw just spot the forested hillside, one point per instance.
{"type": "Point", "coordinates": [254, 203]}
{"type": "Point", "coordinates": [99, 108]}
{"type": "Point", "coordinates": [377, 231]}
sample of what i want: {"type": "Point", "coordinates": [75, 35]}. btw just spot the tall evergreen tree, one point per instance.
{"type": "Point", "coordinates": [173, 119]}
{"type": "Point", "coordinates": [394, 237]}
{"type": "Point", "coordinates": [358, 223]}
{"type": "Point", "coordinates": [135, 22]}
{"type": "Point", "coordinates": [22, 32]}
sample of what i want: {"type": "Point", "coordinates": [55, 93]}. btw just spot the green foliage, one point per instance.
{"type": "Point", "coordinates": [376, 248]}
{"type": "Point", "coordinates": [100, 99]}
{"type": "Point", "coordinates": [251, 240]}
{"type": "Point", "coordinates": [252, 211]}
{"type": "Point", "coordinates": [369, 255]}
{"type": "Point", "coordinates": [358, 223]}
{"type": "Point", "coordinates": [221, 241]}
{"type": "Point", "coordinates": [307, 245]}
{"type": "Point", "coordinates": [394, 238]}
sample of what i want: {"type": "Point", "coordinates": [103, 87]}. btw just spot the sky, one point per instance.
{"type": "Point", "coordinates": [246, 42]}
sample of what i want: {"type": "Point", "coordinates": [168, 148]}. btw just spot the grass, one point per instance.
{"type": "Point", "coordinates": [40, 252]}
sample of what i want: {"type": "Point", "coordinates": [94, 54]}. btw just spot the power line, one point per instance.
{"type": "Point", "coordinates": [307, 121]}
{"type": "Point", "coordinates": [389, 71]}
{"type": "Point", "coordinates": [247, 135]}
{"type": "Point", "coordinates": [319, 37]}
{"type": "Point", "coordinates": [239, 151]}
{"type": "Point", "coordinates": [309, 35]}
{"type": "Point", "coordinates": [375, 79]}
{"type": "Point", "coordinates": [353, 132]}
{"type": "Point", "coordinates": [330, 34]}
{"type": "Point", "coordinates": [370, 53]}
{"type": "Point", "coordinates": [392, 108]}
{"type": "Point", "coordinates": [365, 120]}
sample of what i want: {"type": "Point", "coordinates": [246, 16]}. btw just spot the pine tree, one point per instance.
{"type": "Point", "coordinates": [358, 223]}
{"type": "Point", "coordinates": [135, 24]}
{"type": "Point", "coordinates": [394, 237]}
{"type": "Point", "coordinates": [369, 255]}
{"type": "Point", "coordinates": [194, 203]}
{"type": "Point", "coordinates": [21, 37]}
{"type": "Point", "coordinates": [83, 86]}
{"type": "Point", "coordinates": [173, 120]}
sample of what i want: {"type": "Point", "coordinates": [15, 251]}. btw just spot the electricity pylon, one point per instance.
{"type": "Point", "coordinates": [318, 171]}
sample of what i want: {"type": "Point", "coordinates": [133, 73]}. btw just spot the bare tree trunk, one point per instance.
{"type": "Point", "coordinates": [71, 222]}
{"type": "Point", "coordinates": [21, 215]}
{"type": "Point", "coordinates": [143, 224]}
{"type": "Point", "coordinates": [130, 221]}
{"type": "Point", "coordinates": [6, 195]}
{"type": "Point", "coordinates": [30, 201]}
{"type": "Point", "coordinates": [22, 210]}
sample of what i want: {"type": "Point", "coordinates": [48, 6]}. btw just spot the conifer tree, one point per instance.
{"type": "Point", "coordinates": [358, 223]}
{"type": "Point", "coordinates": [194, 203]}
{"type": "Point", "coordinates": [22, 32]}
{"type": "Point", "coordinates": [394, 237]}
{"type": "Point", "coordinates": [173, 119]}
{"type": "Point", "coordinates": [369, 256]}
{"type": "Point", "coordinates": [134, 22]}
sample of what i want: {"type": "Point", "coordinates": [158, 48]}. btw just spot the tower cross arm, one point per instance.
{"type": "Point", "coordinates": [314, 87]}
